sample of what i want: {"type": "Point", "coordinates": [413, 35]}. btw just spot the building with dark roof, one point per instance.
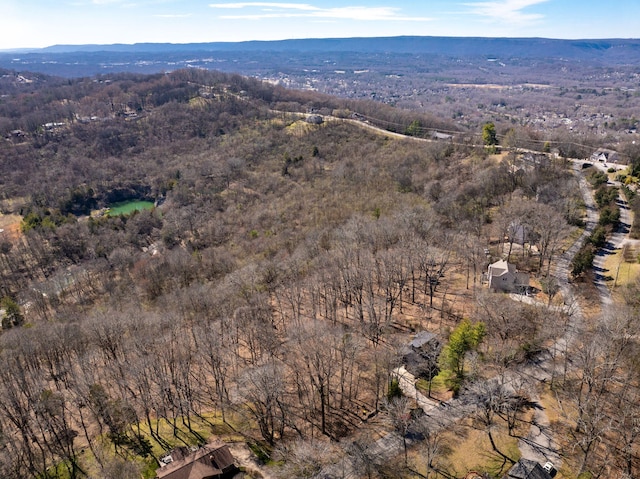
{"type": "Point", "coordinates": [211, 461]}
{"type": "Point", "coordinates": [420, 356]}
{"type": "Point", "coordinates": [527, 469]}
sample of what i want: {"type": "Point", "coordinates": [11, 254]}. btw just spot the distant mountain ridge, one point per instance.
{"type": "Point", "coordinates": [300, 58]}
{"type": "Point", "coordinates": [610, 49]}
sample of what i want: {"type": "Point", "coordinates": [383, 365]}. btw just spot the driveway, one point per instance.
{"type": "Point", "coordinates": [407, 383]}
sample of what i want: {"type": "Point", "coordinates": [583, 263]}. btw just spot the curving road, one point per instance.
{"type": "Point", "coordinates": [539, 444]}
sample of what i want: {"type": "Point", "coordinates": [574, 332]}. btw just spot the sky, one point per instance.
{"type": "Point", "coordinates": [40, 23]}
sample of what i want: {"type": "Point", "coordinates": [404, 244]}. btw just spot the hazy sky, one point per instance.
{"type": "Point", "coordinates": [39, 23]}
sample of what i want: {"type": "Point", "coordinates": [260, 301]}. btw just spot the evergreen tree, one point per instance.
{"type": "Point", "coordinates": [464, 338]}
{"type": "Point", "coordinates": [489, 136]}
{"type": "Point", "coordinates": [12, 314]}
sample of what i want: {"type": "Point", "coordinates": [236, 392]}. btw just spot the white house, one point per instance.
{"type": "Point", "coordinates": [604, 156]}
{"type": "Point", "coordinates": [505, 277]}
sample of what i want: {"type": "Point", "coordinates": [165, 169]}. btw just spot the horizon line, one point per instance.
{"type": "Point", "coordinates": [240, 42]}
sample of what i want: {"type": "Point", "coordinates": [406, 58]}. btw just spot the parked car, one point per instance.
{"type": "Point", "coordinates": [550, 468]}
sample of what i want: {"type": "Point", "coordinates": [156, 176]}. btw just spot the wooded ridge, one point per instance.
{"type": "Point", "coordinates": [269, 296]}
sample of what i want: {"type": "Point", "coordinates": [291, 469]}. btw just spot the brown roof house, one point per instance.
{"type": "Point", "coordinates": [503, 276]}
{"type": "Point", "coordinates": [211, 461]}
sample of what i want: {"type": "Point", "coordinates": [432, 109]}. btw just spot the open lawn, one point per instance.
{"type": "Point", "coordinates": [439, 388]}
{"type": "Point", "coordinates": [469, 449]}
{"type": "Point", "coordinates": [201, 431]}
{"type": "Point", "coordinates": [622, 271]}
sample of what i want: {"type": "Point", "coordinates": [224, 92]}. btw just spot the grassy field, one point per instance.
{"type": "Point", "coordinates": [128, 207]}
{"type": "Point", "coordinates": [469, 449]}
{"type": "Point", "coordinates": [622, 272]}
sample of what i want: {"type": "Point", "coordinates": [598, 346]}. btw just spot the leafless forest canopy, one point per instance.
{"type": "Point", "coordinates": [588, 88]}
{"type": "Point", "coordinates": [268, 294]}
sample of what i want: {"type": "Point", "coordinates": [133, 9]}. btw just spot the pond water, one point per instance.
{"type": "Point", "coordinates": [127, 207]}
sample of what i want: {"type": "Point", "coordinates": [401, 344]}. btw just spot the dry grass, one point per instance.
{"type": "Point", "coordinates": [551, 407]}
{"type": "Point", "coordinates": [300, 128]}
{"type": "Point", "coordinates": [623, 273]}
{"type": "Point", "coordinates": [588, 296]}
{"type": "Point", "coordinates": [550, 404]}
{"type": "Point", "coordinates": [469, 449]}
{"type": "Point", "coordinates": [439, 388]}
{"type": "Point", "coordinates": [572, 238]}
{"type": "Point", "coordinates": [211, 424]}
{"type": "Point", "coordinates": [10, 224]}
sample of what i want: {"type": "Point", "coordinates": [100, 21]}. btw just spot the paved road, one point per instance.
{"type": "Point", "coordinates": [539, 444]}
{"type": "Point", "coordinates": [614, 242]}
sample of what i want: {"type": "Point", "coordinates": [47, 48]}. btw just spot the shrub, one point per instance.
{"type": "Point", "coordinates": [583, 260]}
{"type": "Point", "coordinates": [597, 178]}
{"type": "Point", "coordinates": [394, 389]}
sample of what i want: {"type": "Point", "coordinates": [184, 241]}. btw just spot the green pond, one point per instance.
{"type": "Point", "coordinates": [126, 207]}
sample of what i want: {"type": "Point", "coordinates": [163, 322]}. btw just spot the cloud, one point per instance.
{"type": "Point", "coordinates": [506, 10]}
{"type": "Point", "coordinates": [107, 2]}
{"type": "Point", "coordinates": [172, 15]}
{"type": "Point", "coordinates": [103, 3]}
{"type": "Point", "coordinates": [289, 6]}
{"type": "Point", "coordinates": [267, 10]}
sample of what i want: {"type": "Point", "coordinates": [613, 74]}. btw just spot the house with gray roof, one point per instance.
{"type": "Point", "coordinates": [527, 469]}
{"type": "Point", "coordinates": [211, 461]}
{"type": "Point", "coordinates": [420, 356]}
{"type": "Point", "coordinates": [504, 277]}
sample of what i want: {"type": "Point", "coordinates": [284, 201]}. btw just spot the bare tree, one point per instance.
{"type": "Point", "coordinates": [433, 265]}
{"type": "Point", "coordinates": [364, 457]}
{"type": "Point", "coordinates": [511, 223]}
{"type": "Point", "coordinates": [490, 398]}
{"type": "Point", "coordinates": [513, 328]}
{"type": "Point", "coordinates": [216, 363]}
{"type": "Point", "coordinates": [263, 388]}
{"type": "Point", "coordinates": [431, 444]}
{"type": "Point", "coordinates": [399, 415]}
{"type": "Point", "coordinates": [550, 228]}
{"type": "Point", "coordinates": [305, 458]}
{"type": "Point", "coordinates": [316, 347]}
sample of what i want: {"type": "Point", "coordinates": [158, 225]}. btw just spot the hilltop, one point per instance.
{"type": "Point", "coordinates": [587, 88]}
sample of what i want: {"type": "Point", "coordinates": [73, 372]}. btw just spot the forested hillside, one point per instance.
{"type": "Point", "coordinates": [267, 295]}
